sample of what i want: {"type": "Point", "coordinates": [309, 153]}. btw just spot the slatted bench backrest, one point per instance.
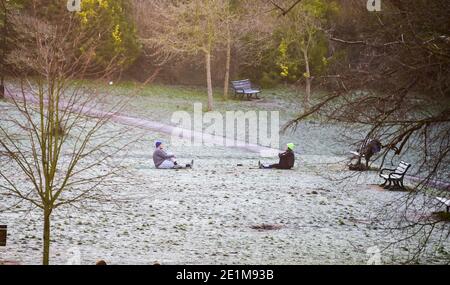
{"type": "Point", "coordinates": [402, 167]}
{"type": "Point", "coordinates": [241, 84]}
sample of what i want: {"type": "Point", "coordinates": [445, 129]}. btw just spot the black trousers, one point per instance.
{"type": "Point", "coordinates": [276, 166]}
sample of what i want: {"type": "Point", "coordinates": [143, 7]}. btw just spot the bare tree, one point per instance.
{"type": "Point", "coordinates": [4, 9]}
{"type": "Point", "coordinates": [228, 23]}
{"type": "Point", "coordinates": [395, 87]}
{"type": "Point", "coordinates": [284, 9]}
{"type": "Point", "coordinates": [175, 29]}
{"type": "Point", "coordinates": [53, 145]}
{"type": "Point", "coordinates": [252, 26]}
{"type": "Point", "coordinates": [299, 28]}
{"type": "Point", "coordinates": [249, 33]}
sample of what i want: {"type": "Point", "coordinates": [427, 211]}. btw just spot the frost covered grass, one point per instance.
{"type": "Point", "coordinates": [218, 212]}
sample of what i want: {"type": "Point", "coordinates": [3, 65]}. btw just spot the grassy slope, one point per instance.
{"type": "Point", "coordinates": [158, 102]}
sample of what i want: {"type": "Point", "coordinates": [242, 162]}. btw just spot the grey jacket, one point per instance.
{"type": "Point", "coordinates": [159, 156]}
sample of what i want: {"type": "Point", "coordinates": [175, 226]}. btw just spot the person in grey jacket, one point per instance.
{"type": "Point", "coordinates": [163, 160]}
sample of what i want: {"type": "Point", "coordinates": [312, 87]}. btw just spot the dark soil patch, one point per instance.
{"type": "Point", "coordinates": [441, 216]}
{"type": "Point", "coordinates": [379, 188]}
{"type": "Point", "coordinates": [266, 227]}
{"type": "Point", "coordinates": [361, 167]}
{"type": "Point", "coordinates": [406, 189]}
{"type": "Point", "coordinates": [9, 262]}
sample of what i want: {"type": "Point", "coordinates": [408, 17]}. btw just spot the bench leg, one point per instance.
{"type": "Point", "coordinates": [391, 186]}
{"type": "Point", "coordinates": [398, 185]}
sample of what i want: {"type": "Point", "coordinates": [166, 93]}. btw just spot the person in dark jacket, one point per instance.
{"type": "Point", "coordinates": [367, 150]}
{"type": "Point", "coordinates": [287, 159]}
{"type": "Point", "coordinates": [373, 147]}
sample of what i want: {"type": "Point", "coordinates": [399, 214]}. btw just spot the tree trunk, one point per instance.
{"type": "Point", "coordinates": [5, 30]}
{"type": "Point", "coordinates": [46, 237]}
{"type": "Point", "coordinates": [307, 79]}
{"type": "Point", "coordinates": [227, 65]}
{"type": "Point", "coordinates": [308, 92]}
{"type": "Point", "coordinates": [209, 81]}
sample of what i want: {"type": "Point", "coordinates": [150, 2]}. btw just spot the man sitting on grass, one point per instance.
{"type": "Point", "coordinates": [287, 159]}
{"type": "Point", "coordinates": [163, 160]}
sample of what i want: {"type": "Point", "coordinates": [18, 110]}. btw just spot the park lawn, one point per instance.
{"type": "Point", "coordinates": [321, 212]}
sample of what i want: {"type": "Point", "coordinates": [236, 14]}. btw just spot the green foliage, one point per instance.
{"type": "Point", "coordinates": [7, 8]}
{"type": "Point", "coordinates": [110, 20]}
{"type": "Point", "coordinates": [269, 80]}
{"type": "Point", "coordinates": [286, 66]}
{"type": "Point", "coordinates": [320, 9]}
{"type": "Point", "coordinates": [318, 55]}
{"type": "Point", "coordinates": [290, 62]}
{"type": "Point", "coordinates": [300, 29]}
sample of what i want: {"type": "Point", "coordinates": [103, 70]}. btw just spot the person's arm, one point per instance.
{"type": "Point", "coordinates": [165, 156]}
{"type": "Point", "coordinates": [169, 156]}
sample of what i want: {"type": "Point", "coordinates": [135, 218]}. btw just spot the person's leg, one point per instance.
{"type": "Point", "coordinates": [174, 161]}
{"type": "Point", "coordinates": [274, 166]}
{"type": "Point", "coordinates": [267, 166]}
{"type": "Point", "coordinates": [262, 165]}
{"type": "Point", "coordinates": [167, 164]}
{"type": "Point", "coordinates": [190, 165]}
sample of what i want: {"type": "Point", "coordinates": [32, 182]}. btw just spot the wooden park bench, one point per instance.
{"type": "Point", "coordinates": [394, 176]}
{"type": "Point", "coordinates": [244, 88]}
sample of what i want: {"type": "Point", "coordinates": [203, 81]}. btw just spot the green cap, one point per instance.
{"type": "Point", "coordinates": [291, 146]}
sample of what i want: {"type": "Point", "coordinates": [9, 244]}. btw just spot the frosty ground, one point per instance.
{"type": "Point", "coordinates": [208, 215]}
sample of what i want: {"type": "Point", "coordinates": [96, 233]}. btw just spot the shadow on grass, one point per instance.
{"type": "Point", "coordinates": [441, 216]}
